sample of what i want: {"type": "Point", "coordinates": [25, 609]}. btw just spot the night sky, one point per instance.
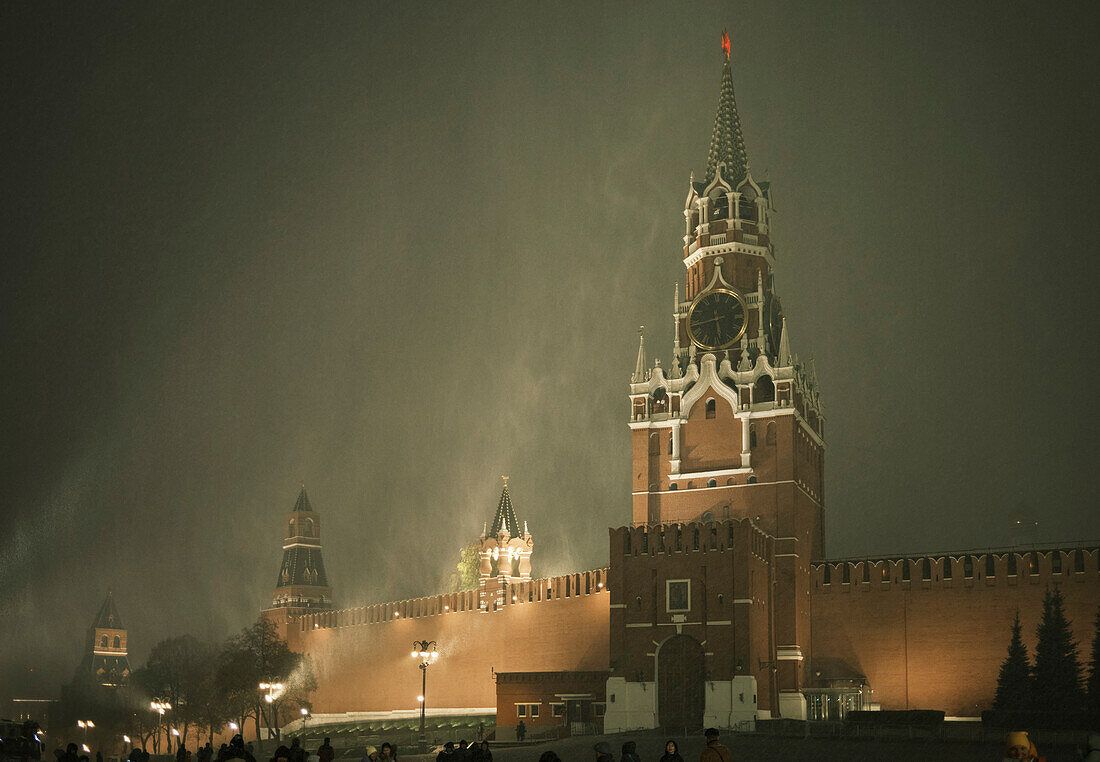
{"type": "Point", "coordinates": [397, 250]}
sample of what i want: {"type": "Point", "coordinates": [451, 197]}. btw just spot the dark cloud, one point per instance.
{"type": "Point", "coordinates": [399, 251]}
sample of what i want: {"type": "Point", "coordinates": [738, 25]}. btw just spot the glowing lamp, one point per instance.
{"type": "Point", "coordinates": [91, 724]}
{"type": "Point", "coordinates": [234, 727]}
{"type": "Point", "coordinates": [420, 699]}
{"type": "Point", "coordinates": [80, 724]}
{"type": "Point", "coordinates": [84, 746]}
{"type": "Point", "coordinates": [175, 732]}
{"type": "Point", "coordinates": [304, 711]}
{"type": "Point", "coordinates": [414, 654]}
{"type": "Point", "coordinates": [126, 739]}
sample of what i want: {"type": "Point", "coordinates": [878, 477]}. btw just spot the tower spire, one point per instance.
{"type": "Point", "coordinates": [727, 145]}
{"type": "Point", "coordinates": [639, 365]}
{"type": "Point", "coordinates": [674, 371]}
{"type": "Point", "coordinates": [784, 346]}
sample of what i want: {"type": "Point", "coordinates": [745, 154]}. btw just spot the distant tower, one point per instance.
{"type": "Point", "coordinates": [302, 583]}
{"type": "Point", "coordinates": [105, 661]}
{"type": "Point", "coordinates": [505, 554]}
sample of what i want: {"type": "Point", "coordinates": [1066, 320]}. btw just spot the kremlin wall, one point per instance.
{"type": "Point", "coordinates": [719, 605]}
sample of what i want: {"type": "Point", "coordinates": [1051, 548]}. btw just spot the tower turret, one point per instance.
{"type": "Point", "coordinates": [302, 582]}
{"type": "Point", "coordinates": [505, 553]}
{"type": "Point", "coordinates": [105, 658]}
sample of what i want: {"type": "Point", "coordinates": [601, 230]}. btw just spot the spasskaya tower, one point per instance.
{"type": "Point", "coordinates": [731, 428]}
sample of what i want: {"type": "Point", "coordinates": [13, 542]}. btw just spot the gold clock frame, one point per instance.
{"type": "Point", "coordinates": [744, 323]}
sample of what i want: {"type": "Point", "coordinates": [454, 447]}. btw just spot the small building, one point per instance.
{"type": "Point", "coordinates": [565, 703]}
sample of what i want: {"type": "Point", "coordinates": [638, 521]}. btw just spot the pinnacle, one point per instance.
{"type": "Point", "coordinates": [727, 145]}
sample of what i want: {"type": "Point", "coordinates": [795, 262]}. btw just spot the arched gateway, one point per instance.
{"type": "Point", "coordinates": [681, 672]}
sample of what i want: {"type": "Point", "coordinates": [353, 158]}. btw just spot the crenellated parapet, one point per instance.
{"type": "Point", "coordinates": [519, 593]}
{"type": "Point", "coordinates": [1004, 567]}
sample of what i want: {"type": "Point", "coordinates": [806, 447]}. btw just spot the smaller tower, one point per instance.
{"type": "Point", "coordinates": [505, 554]}
{"type": "Point", "coordinates": [302, 583]}
{"type": "Point", "coordinates": [105, 660]}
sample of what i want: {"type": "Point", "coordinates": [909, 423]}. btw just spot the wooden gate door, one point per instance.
{"type": "Point", "coordinates": [681, 672]}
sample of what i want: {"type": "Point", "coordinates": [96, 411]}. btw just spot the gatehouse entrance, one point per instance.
{"type": "Point", "coordinates": [681, 675]}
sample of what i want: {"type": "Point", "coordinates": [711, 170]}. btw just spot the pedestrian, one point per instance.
{"type": "Point", "coordinates": [325, 752]}
{"type": "Point", "coordinates": [482, 752]}
{"type": "Point", "coordinates": [238, 750]}
{"type": "Point", "coordinates": [480, 732]}
{"type": "Point", "coordinates": [1019, 746]}
{"type": "Point", "coordinates": [282, 754]}
{"type": "Point", "coordinates": [521, 731]}
{"type": "Point", "coordinates": [628, 752]}
{"type": "Point", "coordinates": [370, 755]}
{"type": "Point", "coordinates": [714, 751]}
{"type": "Point", "coordinates": [223, 750]}
{"type": "Point", "coordinates": [447, 753]}
{"type": "Point", "coordinates": [603, 752]}
{"type": "Point", "coordinates": [672, 752]}
{"type": "Point", "coordinates": [98, 756]}
{"type": "Point", "coordinates": [297, 753]}
{"type": "Point", "coordinates": [388, 753]}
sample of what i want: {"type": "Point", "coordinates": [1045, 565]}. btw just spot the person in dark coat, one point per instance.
{"type": "Point", "coordinates": [672, 752]}
{"type": "Point", "coordinates": [482, 752]}
{"type": "Point", "coordinates": [237, 750]}
{"type": "Point", "coordinates": [325, 752]}
{"type": "Point", "coordinates": [628, 753]}
{"type": "Point", "coordinates": [447, 753]}
{"type": "Point", "coordinates": [714, 751]}
{"type": "Point", "coordinates": [297, 753]}
{"type": "Point", "coordinates": [603, 752]}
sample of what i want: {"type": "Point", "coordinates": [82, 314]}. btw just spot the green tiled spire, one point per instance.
{"type": "Point", "coordinates": [727, 145]}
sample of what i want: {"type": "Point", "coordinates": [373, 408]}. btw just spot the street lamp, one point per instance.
{"type": "Point", "coordinates": [234, 727]}
{"type": "Point", "coordinates": [424, 650]}
{"type": "Point", "coordinates": [160, 707]}
{"type": "Point", "coordinates": [272, 693]}
{"type": "Point", "coordinates": [85, 724]}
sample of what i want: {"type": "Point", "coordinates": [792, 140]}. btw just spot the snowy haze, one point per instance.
{"type": "Point", "coordinates": [399, 251]}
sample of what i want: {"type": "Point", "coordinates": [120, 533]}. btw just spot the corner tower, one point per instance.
{"type": "Point", "coordinates": [106, 662]}
{"type": "Point", "coordinates": [302, 583]}
{"type": "Point", "coordinates": [505, 553]}
{"type": "Point", "coordinates": [733, 429]}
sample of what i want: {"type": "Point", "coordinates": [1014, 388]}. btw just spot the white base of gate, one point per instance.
{"type": "Point", "coordinates": [731, 704]}
{"type": "Point", "coordinates": [630, 706]}
{"type": "Point", "coordinates": [792, 705]}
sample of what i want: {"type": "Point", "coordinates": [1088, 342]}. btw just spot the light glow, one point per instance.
{"type": "Point", "coordinates": [175, 732]}
{"type": "Point", "coordinates": [304, 711]}
{"type": "Point", "coordinates": [84, 746]}
{"type": "Point", "coordinates": [234, 727]}
{"type": "Point", "coordinates": [91, 724]}
{"type": "Point", "coordinates": [126, 738]}
{"type": "Point", "coordinates": [420, 699]}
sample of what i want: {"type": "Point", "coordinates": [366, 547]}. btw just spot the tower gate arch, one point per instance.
{"type": "Point", "coordinates": [681, 676]}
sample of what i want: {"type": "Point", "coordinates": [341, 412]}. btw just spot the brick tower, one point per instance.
{"type": "Point", "coordinates": [733, 428]}
{"type": "Point", "coordinates": [302, 584]}
{"type": "Point", "coordinates": [105, 660]}
{"type": "Point", "coordinates": [505, 554]}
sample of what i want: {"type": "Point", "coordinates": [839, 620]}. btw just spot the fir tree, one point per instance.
{"type": "Point", "coordinates": [1057, 682]}
{"type": "Point", "coordinates": [1092, 685]}
{"type": "Point", "coordinates": [1014, 680]}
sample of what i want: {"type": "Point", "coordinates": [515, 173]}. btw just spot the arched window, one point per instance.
{"type": "Point", "coordinates": [103, 642]}
{"type": "Point", "coordinates": [710, 408]}
{"type": "Point", "coordinates": [752, 437]}
{"type": "Point", "coordinates": [309, 527]}
{"type": "Point", "coordinates": [695, 539]}
{"type": "Point", "coordinates": [770, 436]}
{"type": "Point", "coordinates": [752, 480]}
{"type": "Point", "coordinates": [673, 487]}
{"type": "Point", "coordinates": [118, 642]}
{"type": "Point", "coordinates": [712, 482]}
{"type": "Point", "coordinates": [763, 390]}
{"type": "Point", "coordinates": [290, 530]}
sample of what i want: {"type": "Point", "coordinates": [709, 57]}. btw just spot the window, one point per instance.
{"type": "Point", "coordinates": [679, 538]}
{"type": "Point", "coordinates": [118, 642]}
{"type": "Point", "coordinates": [102, 642]}
{"type": "Point", "coordinates": [866, 571]}
{"type": "Point", "coordinates": [712, 482]}
{"type": "Point", "coordinates": [695, 539]}
{"type": "Point", "coordinates": [627, 544]}
{"type": "Point", "coordinates": [752, 480]}
{"type": "Point", "coordinates": [905, 571]}
{"type": "Point", "coordinates": [714, 538]}
{"type": "Point", "coordinates": [990, 566]}
{"type": "Point", "coordinates": [678, 595]}
{"type": "Point", "coordinates": [763, 390]}
{"type": "Point", "coordinates": [885, 573]}
{"type": "Point", "coordinates": [770, 436]}
{"type": "Point", "coordinates": [598, 708]}
{"type": "Point", "coordinates": [521, 710]}
{"type": "Point", "coordinates": [1033, 563]}
{"type": "Point", "coordinates": [1012, 564]}
{"type": "Point", "coordinates": [1079, 562]}
{"type": "Point", "coordinates": [670, 443]}
{"type": "Point", "coordinates": [925, 569]}
{"type": "Point", "coordinates": [947, 567]}
{"type": "Point", "coordinates": [1056, 562]}
{"type": "Point", "coordinates": [645, 542]}
{"type": "Point", "coordinates": [557, 709]}
{"type": "Point", "coordinates": [672, 487]}
{"type": "Point", "coordinates": [710, 408]}
{"type": "Point", "coordinates": [846, 574]}
{"type": "Point", "coordinates": [752, 437]}
{"type": "Point", "coordinates": [828, 574]}
{"type": "Point", "coordinates": [968, 567]}
{"type": "Point", "coordinates": [532, 710]}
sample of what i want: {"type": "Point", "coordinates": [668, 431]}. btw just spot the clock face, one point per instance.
{"type": "Point", "coordinates": [716, 319]}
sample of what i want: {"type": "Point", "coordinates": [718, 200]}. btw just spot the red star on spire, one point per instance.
{"type": "Point", "coordinates": [726, 44]}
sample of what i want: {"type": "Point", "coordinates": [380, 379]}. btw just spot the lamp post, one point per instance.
{"type": "Point", "coordinates": [85, 724]}
{"type": "Point", "coordinates": [424, 650]}
{"type": "Point", "coordinates": [305, 717]}
{"type": "Point", "coordinates": [272, 693]}
{"type": "Point", "coordinates": [160, 707]}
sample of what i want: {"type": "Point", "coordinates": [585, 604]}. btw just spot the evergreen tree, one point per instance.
{"type": "Point", "coordinates": [1057, 682]}
{"type": "Point", "coordinates": [1092, 685]}
{"type": "Point", "coordinates": [1014, 680]}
